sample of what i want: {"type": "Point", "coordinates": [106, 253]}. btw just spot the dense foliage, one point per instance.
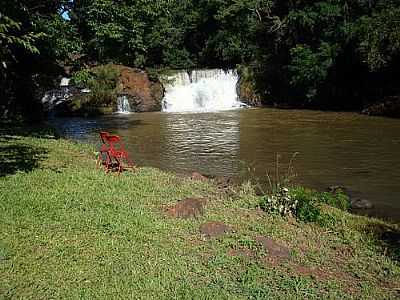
{"type": "Point", "coordinates": [328, 53]}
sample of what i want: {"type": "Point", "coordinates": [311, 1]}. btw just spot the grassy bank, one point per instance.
{"type": "Point", "coordinates": [70, 231]}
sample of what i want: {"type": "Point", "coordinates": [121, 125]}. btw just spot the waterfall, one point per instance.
{"type": "Point", "coordinates": [59, 95]}
{"type": "Point", "coordinates": [123, 104]}
{"type": "Point", "coordinates": [201, 90]}
{"type": "Point", "coordinates": [65, 81]}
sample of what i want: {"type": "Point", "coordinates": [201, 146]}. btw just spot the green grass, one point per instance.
{"type": "Point", "coordinates": [70, 231]}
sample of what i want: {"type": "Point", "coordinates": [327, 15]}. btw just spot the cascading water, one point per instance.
{"type": "Point", "coordinates": [201, 90]}
{"type": "Point", "coordinates": [123, 104]}
{"type": "Point", "coordinates": [59, 95]}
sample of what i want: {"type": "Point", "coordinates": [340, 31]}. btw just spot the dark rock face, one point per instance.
{"type": "Point", "coordinates": [389, 107]}
{"type": "Point", "coordinates": [215, 229]}
{"type": "Point", "coordinates": [143, 94]}
{"type": "Point", "coordinates": [187, 208]}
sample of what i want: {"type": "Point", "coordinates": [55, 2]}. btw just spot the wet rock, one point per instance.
{"type": "Point", "coordinates": [276, 252]}
{"type": "Point", "coordinates": [187, 208]}
{"type": "Point", "coordinates": [198, 177]}
{"type": "Point", "coordinates": [143, 94]}
{"type": "Point", "coordinates": [215, 229]}
{"type": "Point", "coordinates": [361, 204]}
{"type": "Point", "coordinates": [388, 107]}
{"type": "Point", "coordinates": [336, 188]}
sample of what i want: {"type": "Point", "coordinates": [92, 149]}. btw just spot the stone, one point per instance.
{"type": "Point", "coordinates": [388, 107]}
{"type": "Point", "coordinates": [215, 229]}
{"type": "Point", "coordinates": [361, 204]}
{"type": "Point", "coordinates": [187, 208]}
{"type": "Point", "coordinates": [275, 251]}
{"type": "Point", "coordinates": [143, 94]}
{"type": "Point", "coordinates": [336, 188]}
{"type": "Point", "coordinates": [198, 177]}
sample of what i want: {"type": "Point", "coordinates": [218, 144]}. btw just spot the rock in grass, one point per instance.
{"type": "Point", "coordinates": [187, 208]}
{"type": "Point", "coordinates": [198, 177]}
{"type": "Point", "coordinates": [275, 251]}
{"type": "Point", "coordinates": [361, 204]}
{"type": "Point", "coordinates": [215, 229]}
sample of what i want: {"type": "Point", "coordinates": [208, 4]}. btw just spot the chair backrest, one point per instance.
{"type": "Point", "coordinates": [103, 136]}
{"type": "Point", "coordinates": [115, 142]}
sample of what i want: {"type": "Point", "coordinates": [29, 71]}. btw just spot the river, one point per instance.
{"type": "Point", "coordinates": [347, 149]}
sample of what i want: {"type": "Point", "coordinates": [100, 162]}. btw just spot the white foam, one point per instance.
{"type": "Point", "coordinates": [201, 91]}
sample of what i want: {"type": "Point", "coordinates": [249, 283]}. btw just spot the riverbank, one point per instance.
{"type": "Point", "coordinates": [70, 231]}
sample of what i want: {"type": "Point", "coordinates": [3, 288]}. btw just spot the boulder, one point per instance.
{"type": "Point", "coordinates": [361, 204]}
{"type": "Point", "coordinates": [143, 94]}
{"type": "Point", "coordinates": [388, 107]}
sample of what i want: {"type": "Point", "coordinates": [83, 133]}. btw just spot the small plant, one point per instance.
{"type": "Point", "coordinates": [280, 202]}
{"type": "Point", "coordinates": [308, 209]}
{"type": "Point", "coordinates": [339, 199]}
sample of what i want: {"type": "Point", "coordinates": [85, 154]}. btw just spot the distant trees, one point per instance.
{"type": "Point", "coordinates": [327, 53]}
{"type": "Point", "coordinates": [32, 40]}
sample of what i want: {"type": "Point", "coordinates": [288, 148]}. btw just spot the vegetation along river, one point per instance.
{"type": "Point", "coordinates": [346, 149]}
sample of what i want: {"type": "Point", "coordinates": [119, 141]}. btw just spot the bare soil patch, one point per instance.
{"type": "Point", "coordinates": [215, 229]}
{"type": "Point", "coordinates": [187, 208]}
{"type": "Point", "coordinates": [277, 253]}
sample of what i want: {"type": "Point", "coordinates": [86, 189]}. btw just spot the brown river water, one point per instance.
{"type": "Point", "coordinates": [358, 152]}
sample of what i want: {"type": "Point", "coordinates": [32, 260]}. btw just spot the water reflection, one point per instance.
{"type": "Point", "coordinates": [209, 143]}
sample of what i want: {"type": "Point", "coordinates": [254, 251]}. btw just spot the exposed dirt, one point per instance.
{"type": "Point", "coordinates": [316, 273]}
{"type": "Point", "coordinates": [276, 253]}
{"type": "Point", "coordinates": [243, 252]}
{"type": "Point", "coordinates": [215, 229]}
{"type": "Point", "coordinates": [187, 208]}
{"type": "Point", "coordinates": [198, 177]}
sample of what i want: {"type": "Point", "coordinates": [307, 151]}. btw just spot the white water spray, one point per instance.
{"type": "Point", "coordinates": [123, 104]}
{"type": "Point", "coordinates": [201, 91]}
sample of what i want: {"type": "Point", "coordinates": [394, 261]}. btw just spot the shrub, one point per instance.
{"type": "Point", "coordinates": [307, 209]}
{"type": "Point", "coordinates": [102, 82]}
{"type": "Point", "coordinates": [82, 78]}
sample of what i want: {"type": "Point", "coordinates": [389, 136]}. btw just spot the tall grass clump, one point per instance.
{"type": "Point", "coordinates": [286, 199]}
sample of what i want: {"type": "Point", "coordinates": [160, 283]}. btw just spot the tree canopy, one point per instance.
{"type": "Point", "coordinates": [328, 53]}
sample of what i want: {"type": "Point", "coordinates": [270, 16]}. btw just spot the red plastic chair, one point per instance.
{"type": "Point", "coordinates": [104, 155]}
{"type": "Point", "coordinates": [117, 153]}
